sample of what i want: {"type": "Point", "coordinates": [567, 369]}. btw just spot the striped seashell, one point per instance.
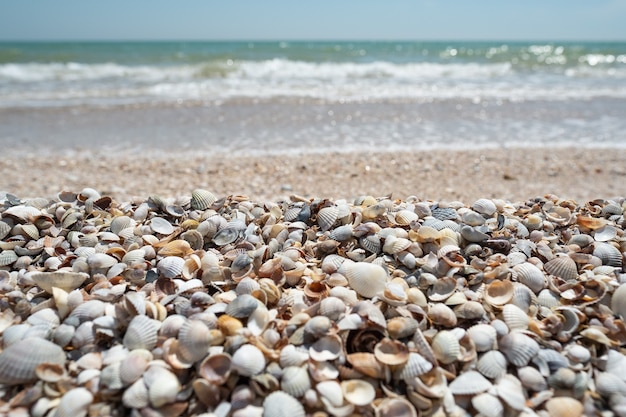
{"type": "Point", "coordinates": [178, 247]}
{"type": "Point", "coordinates": [484, 337]}
{"type": "Point", "coordinates": [488, 405]}
{"type": "Point", "coordinates": [563, 267]}
{"type": "Point", "coordinates": [295, 380]}
{"type": "Point", "coordinates": [427, 234]}
{"type": "Point", "coordinates": [332, 307]}
{"type": "Point", "coordinates": [358, 392]}
{"type": "Point", "coordinates": [415, 366]}
{"type": "Point", "coordinates": [202, 199]}
{"type": "Point", "coordinates": [514, 317]}
{"type": "Point", "coordinates": [291, 355]}
{"type": "Point", "coordinates": [548, 298]}
{"type": "Point", "coordinates": [5, 229]}
{"type": "Point", "coordinates": [29, 231]}
{"type": "Point", "coordinates": [74, 403]}
{"type": "Point", "coordinates": [531, 276]}
{"type": "Point", "coordinates": [228, 234]}
{"type": "Point", "coordinates": [171, 266]}
{"type": "Point", "coordinates": [45, 317]}
{"type": "Point", "coordinates": [120, 223]}
{"type": "Point", "coordinates": [470, 310]}
{"type": "Point", "coordinates": [163, 386]}
{"type": "Point", "coordinates": [518, 348]}
{"type": "Point", "coordinates": [605, 233]}
{"type": "Point", "coordinates": [141, 333]}
{"type": "Point", "coordinates": [281, 404]}
{"type": "Point", "coordinates": [367, 279]}
{"type": "Point", "coordinates": [216, 368]}
{"type": "Point", "coordinates": [62, 335]}
{"type": "Point", "coordinates": [394, 245]}
{"type": "Point", "coordinates": [136, 396]}
{"type": "Point", "coordinates": [492, 364]}
{"type": "Point", "coordinates": [608, 384]}
{"type": "Point", "coordinates": [247, 286]}
{"type": "Point", "coordinates": [134, 256]}
{"type": "Point", "coordinates": [341, 233]}
{"type": "Point", "coordinates": [484, 206]}
{"type": "Point", "coordinates": [523, 297]}
{"type": "Point", "coordinates": [405, 217]}
{"type": "Point", "coordinates": [371, 243]}
{"type": "Point", "coordinates": [564, 407]}
{"type": "Point", "coordinates": [88, 310]}
{"type": "Point", "coordinates": [248, 360]}
{"type": "Point", "coordinates": [100, 261]}
{"type": "Point", "coordinates": [608, 253]}
{"type": "Point", "coordinates": [446, 347]}
{"type": "Point", "coordinates": [194, 339]}
{"type": "Point", "coordinates": [469, 383]}
{"type": "Point", "coordinates": [19, 361]}
{"type": "Point", "coordinates": [511, 392]}
{"type": "Point", "coordinates": [532, 379]}
{"type": "Point", "coordinates": [8, 257]}
{"type": "Point", "coordinates": [444, 213]}
{"type": "Point", "coordinates": [326, 217]}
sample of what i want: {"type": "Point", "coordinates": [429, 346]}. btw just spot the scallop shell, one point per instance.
{"type": "Point", "coordinates": [415, 366]}
{"type": "Point", "coordinates": [134, 366]}
{"type": "Point", "coordinates": [5, 228]}
{"type": "Point", "coordinates": [227, 235]}
{"type": "Point", "coordinates": [514, 317]}
{"type": "Point", "coordinates": [291, 355]}
{"type": "Point", "coordinates": [608, 384]}
{"type": "Point", "coordinates": [19, 361]}
{"type": "Point", "coordinates": [327, 217]}
{"type": "Point", "coordinates": [405, 217]}
{"type": "Point", "coordinates": [488, 405]}
{"type": "Point", "coordinates": [562, 267]}
{"type": "Point", "coordinates": [281, 404]}
{"type": "Point", "coordinates": [202, 199]}
{"type": "Point", "coordinates": [141, 333]}
{"type": "Point", "coordinates": [171, 266]}
{"type": "Point", "coordinates": [194, 340]}
{"type": "Point", "coordinates": [366, 279]}
{"type": "Point", "coordinates": [401, 327]}
{"type": "Point", "coordinates": [242, 306]}
{"type": "Point", "coordinates": [518, 348]}
{"type": "Point", "coordinates": [7, 257]}
{"type": "Point", "coordinates": [608, 253]}
{"type": "Point", "coordinates": [136, 396]}
{"type": "Point", "coordinates": [358, 392]}
{"type": "Point", "coordinates": [469, 383]}
{"type": "Point", "coordinates": [531, 276]}
{"type": "Point", "coordinates": [492, 364]}
{"type": "Point", "coordinates": [295, 380]}
{"type": "Point", "coordinates": [510, 390]}
{"type": "Point", "coordinates": [442, 315]}
{"type": "Point", "coordinates": [74, 403]}
{"type": "Point", "coordinates": [446, 347]}
{"type": "Point", "coordinates": [332, 307]}
{"type": "Point", "coordinates": [248, 360]}
{"type": "Point", "coordinates": [485, 206]}
{"type": "Point", "coordinates": [163, 386]}
{"type": "Point", "coordinates": [484, 337]}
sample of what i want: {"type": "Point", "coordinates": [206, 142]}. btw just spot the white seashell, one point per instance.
{"type": "Point", "coordinates": [216, 368]}
{"type": "Point", "coordinates": [564, 407]}
{"type": "Point", "coordinates": [327, 217]}
{"type": "Point", "coordinates": [446, 347]}
{"type": "Point", "coordinates": [163, 386]}
{"type": "Point", "coordinates": [64, 280]}
{"type": "Point", "coordinates": [295, 380]}
{"type": "Point", "coordinates": [485, 206]}
{"type": "Point", "coordinates": [194, 340]}
{"type": "Point", "coordinates": [358, 392]}
{"type": "Point", "coordinates": [416, 365]}
{"type": "Point", "coordinates": [19, 361]}
{"type": "Point", "coordinates": [442, 315]}
{"type": "Point", "coordinates": [134, 365]}
{"type": "Point", "coordinates": [247, 286]}
{"type": "Point", "coordinates": [242, 306]}
{"type": "Point", "coordinates": [608, 253]}
{"type": "Point", "coordinates": [74, 403]}
{"type": "Point", "coordinates": [367, 279]}
{"type": "Point", "coordinates": [547, 298]}
{"type": "Point", "coordinates": [327, 348]}
{"type": "Point", "coordinates": [531, 276]}
{"type": "Point", "coordinates": [608, 384]}
{"type": "Point", "coordinates": [134, 256]}
{"type": "Point", "coordinates": [518, 348]}
{"type": "Point", "coordinates": [136, 396]}
{"type": "Point", "coordinates": [488, 405]}
{"type": "Point", "coordinates": [605, 233]}
{"type": "Point", "coordinates": [248, 360]}
{"type": "Point", "coordinates": [331, 391]}
{"type": "Point", "coordinates": [202, 199]}
{"type": "Point", "coordinates": [510, 391]}
{"type": "Point", "coordinates": [484, 337]}
{"type": "Point", "coordinates": [492, 364]}
{"type": "Point", "coordinates": [469, 383]}
{"type": "Point", "coordinates": [395, 407]}
{"type": "Point", "coordinates": [141, 333]}
{"type": "Point", "coordinates": [563, 267]}
{"type": "Point", "coordinates": [171, 266]}
{"type": "Point", "coordinates": [341, 233]}
{"type": "Point", "coordinates": [161, 226]}
{"type": "Point", "coordinates": [100, 261]}
{"type": "Point", "coordinates": [332, 307]}
{"type": "Point", "coordinates": [8, 257]}
{"type": "Point", "coordinates": [618, 301]}
{"type": "Point", "coordinates": [291, 355]}
{"type": "Point", "coordinates": [281, 404]}
{"type": "Point", "coordinates": [514, 317]}
{"type": "Point", "coordinates": [531, 379]}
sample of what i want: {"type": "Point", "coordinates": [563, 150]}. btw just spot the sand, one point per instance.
{"type": "Point", "coordinates": [439, 175]}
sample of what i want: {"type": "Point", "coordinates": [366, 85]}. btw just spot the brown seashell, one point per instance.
{"type": "Point", "coordinates": [564, 407]}
{"type": "Point", "coordinates": [498, 293]}
{"type": "Point", "coordinates": [391, 352]}
{"type": "Point", "coordinates": [178, 247]}
{"type": "Point", "coordinates": [592, 223]}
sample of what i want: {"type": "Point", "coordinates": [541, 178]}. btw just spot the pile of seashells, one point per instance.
{"type": "Point", "coordinates": [200, 306]}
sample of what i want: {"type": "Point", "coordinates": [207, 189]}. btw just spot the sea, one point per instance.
{"type": "Point", "coordinates": [301, 96]}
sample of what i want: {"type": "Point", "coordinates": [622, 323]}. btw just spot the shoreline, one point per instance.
{"type": "Point", "coordinates": [513, 174]}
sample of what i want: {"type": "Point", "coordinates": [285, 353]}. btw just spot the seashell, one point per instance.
{"type": "Point", "coordinates": [228, 235]}
{"type": "Point", "coordinates": [510, 391]}
{"type": "Point", "coordinates": [401, 327]}
{"type": "Point", "coordinates": [326, 217]}
{"type": "Point", "coordinates": [171, 266]}
{"type": "Point", "coordinates": [472, 234]}
{"type": "Point", "coordinates": [498, 293]}
{"type": "Point", "coordinates": [605, 233]}
{"type": "Point", "coordinates": [281, 404]}
{"type": "Point", "coordinates": [371, 243]}
{"type": "Point", "coordinates": [161, 226]}
{"type": "Point", "coordinates": [395, 407]}
{"type": "Point", "coordinates": [202, 199]}
{"type": "Point", "coordinates": [444, 213]}
{"type": "Point", "coordinates": [394, 245]}
{"type": "Point", "coordinates": [518, 348]}
{"type": "Point", "coordinates": [608, 384]}
{"type": "Point", "coordinates": [178, 247]}
{"type": "Point", "coordinates": [469, 383]}
{"type": "Point", "coordinates": [367, 364]}
{"type": "Point", "coordinates": [485, 207]}
{"type": "Point", "coordinates": [327, 348]}
{"type": "Point", "coordinates": [330, 391]}
{"type": "Point", "coordinates": [291, 355]}
{"type": "Point", "coordinates": [358, 392]}
{"type": "Point", "coordinates": [483, 336]}
{"type": "Point", "coordinates": [332, 307]}
{"type": "Point", "coordinates": [216, 368]}
{"type": "Point", "coordinates": [618, 301]}
{"type": "Point", "coordinates": [242, 306]}
{"type": "Point", "coordinates": [134, 365]}
{"type": "Point", "coordinates": [442, 315]}
{"type": "Point", "coordinates": [88, 310]}
{"type": "Point", "coordinates": [5, 229]}
{"type": "Point", "coordinates": [136, 396]}
{"type": "Point", "coordinates": [564, 407]}
{"type": "Point", "coordinates": [514, 317]}
{"type": "Point", "coordinates": [141, 333]}
{"type": "Point", "coordinates": [8, 257]}
{"type": "Point", "coordinates": [19, 361]}
{"type": "Point", "coordinates": [562, 267]}
{"type": "Point", "coordinates": [194, 340]}
{"type": "Point", "coordinates": [532, 379]}
{"type": "Point", "coordinates": [367, 279]}
{"type": "Point", "coordinates": [163, 386]}
{"type": "Point", "coordinates": [74, 403]}
{"type": "Point", "coordinates": [442, 289]}
{"type": "Point", "coordinates": [248, 360]}
{"type": "Point", "coordinates": [295, 380]}
{"type": "Point", "coordinates": [446, 347]}
{"type": "Point", "coordinates": [415, 366]}
{"type": "Point", "coordinates": [531, 276]}
{"type": "Point", "coordinates": [488, 405]}
{"type": "Point", "coordinates": [492, 364]}
{"type": "Point", "coordinates": [470, 310]}
{"type": "Point", "coordinates": [341, 233]}
{"type": "Point", "coordinates": [426, 234]}
{"type": "Point", "coordinates": [391, 352]}
{"type": "Point", "coordinates": [608, 253]}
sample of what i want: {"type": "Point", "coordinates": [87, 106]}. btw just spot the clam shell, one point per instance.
{"type": "Point", "coordinates": [488, 405]}
{"type": "Point", "coordinates": [141, 333]}
{"type": "Point", "coordinates": [446, 347]}
{"type": "Point", "coordinates": [366, 279]}
{"type": "Point", "coordinates": [216, 368]}
{"type": "Point", "coordinates": [291, 355]}
{"type": "Point", "coordinates": [415, 366]}
{"type": "Point", "coordinates": [498, 293]}
{"type": "Point", "coordinates": [171, 266]}
{"type": "Point", "coordinates": [161, 226]}
{"type": "Point", "coordinates": [332, 307]}
{"type": "Point", "coordinates": [442, 289]}
{"type": "Point", "coordinates": [327, 348]}
{"type": "Point", "coordinates": [194, 340]}
{"type": "Point", "coordinates": [136, 396]}
{"type": "Point", "coordinates": [564, 407]}
{"type": "Point", "coordinates": [281, 404]}
{"type": "Point", "coordinates": [74, 403]}
{"type": "Point", "coordinates": [248, 360]}
{"type": "Point", "coordinates": [492, 364]}
{"type": "Point", "coordinates": [7, 257]}
{"type": "Point", "coordinates": [442, 315]}
{"type": "Point", "coordinates": [484, 337]}
{"type": "Point", "coordinates": [178, 247]}
{"type": "Point", "coordinates": [367, 364]}
{"type": "Point", "coordinates": [401, 327]}
{"type": "Point", "coordinates": [608, 253]}
{"type": "Point", "coordinates": [391, 352]}
{"type": "Point", "coordinates": [163, 386]}
{"type": "Point", "coordinates": [618, 301]}
{"type": "Point", "coordinates": [88, 310]}
{"type": "Point", "coordinates": [485, 206]}
{"type": "Point", "coordinates": [532, 379]}
{"type": "Point", "coordinates": [518, 348]}
{"type": "Point", "coordinates": [562, 267]}
{"type": "Point", "coordinates": [510, 390]}
{"type": "Point", "coordinates": [242, 306]}
{"type": "Point", "coordinates": [405, 217]}
{"type": "Point", "coordinates": [134, 366]}
{"type": "Point", "coordinates": [295, 380]}
{"type": "Point", "coordinates": [469, 383]}
{"type": "Point", "coordinates": [531, 276]}
{"type": "Point", "coordinates": [202, 199]}
{"type": "Point", "coordinates": [514, 317]}
{"type": "Point", "coordinates": [19, 361]}
{"type": "Point", "coordinates": [608, 384]}
{"type": "Point", "coordinates": [358, 392]}
{"type": "Point", "coordinates": [327, 217]}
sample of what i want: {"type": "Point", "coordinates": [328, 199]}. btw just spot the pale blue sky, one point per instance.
{"type": "Point", "coordinates": [318, 20]}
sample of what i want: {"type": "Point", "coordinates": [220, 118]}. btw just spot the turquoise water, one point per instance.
{"type": "Point", "coordinates": [344, 93]}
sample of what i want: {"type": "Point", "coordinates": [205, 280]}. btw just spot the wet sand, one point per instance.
{"type": "Point", "coordinates": [440, 175]}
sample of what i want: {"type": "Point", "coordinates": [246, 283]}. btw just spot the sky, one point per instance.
{"type": "Point", "coordinates": [313, 20]}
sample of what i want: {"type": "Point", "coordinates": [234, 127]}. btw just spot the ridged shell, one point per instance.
{"type": "Point", "coordinates": [484, 337]}
{"type": "Point", "coordinates": [608, 253]}
{"type": "Point", "coordinates": [136, 396]}
{"type": "Point", "coordinates": [74, 403]}
{"type": "Point", "coordinates": [194, 340]}
{"type": "Point", "coordinates": [291, 355]}
{"type": "Point", "coordinates": [330, 391]}
{"type": "Point", "coordinates": [366, 279]}
{"type": "Point", "coordinates": [5, 228]}
{"type": "Point", "coordinates": [563, 267]}
{"type": "Point", "coordinates": [416, 365]}
{"type": "Point", "coordinates": [469, 383]}
{"type": "Point", "coordinates": [202, 199]}
{"type": "Point", "coordinates": [604, 234]}
{"type": "Point", "coordinates": [242, 306]}
{"type": "Point", "coordinates": [488, 405]}
{"type": "Point", "coordinates": [19, 361]}
{"type": "Point", "coordinates": [492, 364]}
{"type": "Point", "coordinates": [510, 390]}
{"type": "Point", "coordinates": [281, 404]}
{"type": "Point", "coordinates": [141, 333]}
{"type": "Point", "coordinates": [327, 217]}
{"type": "Point", "coordinates": [446, 347]}
{"type": "Point", "coordinates": [7, 257]}
{"type": "Point", "coordinates": [358, 392]}
{"type": "Point", "coordinates": [295, 380]}
{"type": "Point", "coordinates": [391, 352]}
{"type": "Point", "coordinates": [371, 243]}
{"type": "Point", "coordinates": [341, 233]}
{"type": "Point", "coordinates": [514, 317]}
{"type": "Point", "coordinates": [608, 384]}
{"type": "Point", "coordinates": [442, 315]}
{"type": "Point", "coordinates": [484, 206]}
{"type": "Point", "coordinates": [531, 276]}
{"type": "Point", "coordinates": [248, 360]}
{"type": "Point", "coordinates": [327, 348]}
{"type": "Point", "coordinates": [332, 307]}
{"type": "Point", "coordinates": [405, 217]}
{"type": "Point", "coordinates": [518, 348]}
{"type": "Point", "coordinates": [401, 327]}
{"type": "Point", "coordinates": [134, 365]}
{"type": "Point", "coordinates": [171, 266]}
{"type": "Point", "coordinates": [163, 386]}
